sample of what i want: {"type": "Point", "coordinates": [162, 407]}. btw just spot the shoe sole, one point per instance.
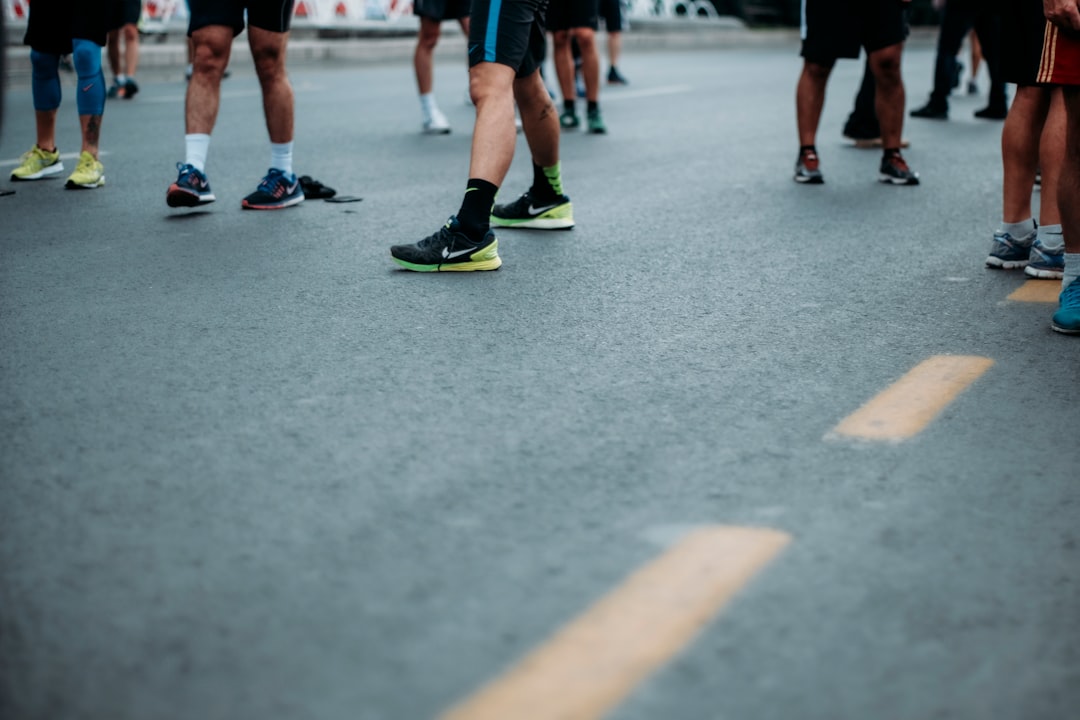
{"type": "Point", "coordinates": [1041, 274]}
{"type": "Point", "coordinates": [998, 264]}
{"type": "Point", "coordinates": [804, 180]}
{"type": "Point", "coordinates": [1064, 330]}
{"type": "Point", "coordinates": [492, 264]}
{"type": "Point", "coordinates": [539, 223]}
{"type": "Point", "coordinates": [875, 143]}
{"type": "Point", "coordinates": [277, 206]}
{"type": "Point", "coordinates": [890, 180]}
{"type": "Point", "coordinates": [435, 131]}
{"type": "Point", "coordinates": [71, 185]}
{"type": "Point", "coordinates": [182, 198]}
{"type": "Point", "coordinates": [48, 172]}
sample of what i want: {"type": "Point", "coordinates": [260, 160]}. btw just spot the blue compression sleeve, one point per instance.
{"type": "Point", "coordinates": [90, 96]}
{"type": "Point", "coordinates": [45, 80]}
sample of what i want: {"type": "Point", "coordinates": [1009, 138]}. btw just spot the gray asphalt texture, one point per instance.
{"type": "Point", "coordinates": [250, 469]}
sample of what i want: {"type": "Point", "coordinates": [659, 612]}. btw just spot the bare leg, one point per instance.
{"type": "Point", "coordinates": [564, 63]}
{"type": "Point", "coordinates": [890, 98]}
{"type": "Point", "coordinates": [113, 43]}
{"type": "Point", "coordinates": [91, 133]}
{"type": "Point", "coordinates": [1020, 150]}
{"type": "Point", "coordinates": [131, 49]}
{"type": "Point", "coordinates": [810, 100]}
{"type": "Point", "coordinates": [426, 40]}
{"type": "Point", "coordinates": [45, 122]}
{"type": "Point", "coordinates": [614, 47]}
{"type": "Point", "coordinates": [210, 55]}
{"type": "Point", "coordinates": [1051, 159]}
{"type": "Point", "coordinates": [494, 136]}
{"type": "Point", "coordinates": [590, 62]}
{"type": "Point", "coordinates": [538, 119]}
{"type": "Point", "coordinates": [268, 50]}
{"type": "Point", "coordinates": [1069, 180]}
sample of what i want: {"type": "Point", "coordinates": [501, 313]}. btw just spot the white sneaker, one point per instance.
{"type": "Point", "coordinates": [437, 124]}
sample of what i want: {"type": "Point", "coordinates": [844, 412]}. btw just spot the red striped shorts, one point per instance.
{"type": "Point", "coordinates": [1060, 63]}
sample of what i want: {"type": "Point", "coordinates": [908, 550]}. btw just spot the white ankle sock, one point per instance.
{"type": "Point", "coordinates": [197, 147]}
{"type": "Point", "coordinates": [281, 157]}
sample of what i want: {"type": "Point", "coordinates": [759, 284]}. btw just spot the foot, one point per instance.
{"type": "Point", "coordinates": [437, 124]}
{"type": "Point", "coordinates": [38, 164]}
{"type": "Point", "coordinates": [190, 189]}
{"type": "Point", "coordinates": [614, 77]}
{"type": "Point", "coordinates": [130, 88]}
{"type": "Point", "coordinates": [116, 90]}
{"type": "Point", "coordinates": [973, 88]}
{"type": "Point", "coordinates": [1067, 318]}
{"type": "Point", "coordinates": [931, 111]}
{"type": "Point", "coordinates": [89, 173]}
{"type": "Point", "coordinates": [808, 168]}
{"type": "Point", "coordinates": [895, 171]}
{"type": "Point", "coordinates": [449, 250]}
{"type": "Point", "coordinates": [528, 212]}
{"type": "Point", "coordinates": [1045, 264]}
{"type": "Point", "coordinates": [569, 120]}
{"type": "Point", "coordinates": [1009, 253]}
{"type": "Point", "coordinates": [595, 123]}
{"type": "Point", "coordinates": [276, 191]}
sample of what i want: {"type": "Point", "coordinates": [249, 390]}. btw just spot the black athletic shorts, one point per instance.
{"type": "Point", "coordinates": [566, 14]}
{"type": "Point", "coordinates": [835, 29]}
{"type": "Point", "coordinates": [611, 11]}
{"type": "Point", "coordinates": [1021, 54]}
{"type": "Point", "coordinates": [124, 12]}
{"type": "Point", "coordinates": [508, 32]}
{"type": "Point", "coordinates": [272, 15]}
{"type": "Point", "coordinates": [53, 24]}
{"type": "Point", "coordinates": [442, 9]}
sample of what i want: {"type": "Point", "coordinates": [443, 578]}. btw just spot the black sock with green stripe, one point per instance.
{"type": "Point", "coordinates": [547, 183]}
{"type": "Point", "coordinates": [475, 213]}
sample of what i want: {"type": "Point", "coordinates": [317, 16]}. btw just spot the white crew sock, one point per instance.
{"type": "Point", "coordinates": [121, 79]}
{"type": "Point", "coordinates": [197, 146]}
{"type": "Point", "coordinates": [428, 105]}
{"type": "Point", "coordinates": [1072, 269]}
{"type": "Point", "coordinates": [1050, 237]}
{"type": "Point", "coordinates": [1019, 230]}
{"type": "Point", "coordinates": [281, 157]}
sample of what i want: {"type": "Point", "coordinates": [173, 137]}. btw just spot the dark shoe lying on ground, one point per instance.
{"type": "Point", "coordinates": [315, 190]}
{"type": "Point", "coordinates": [930, 111]}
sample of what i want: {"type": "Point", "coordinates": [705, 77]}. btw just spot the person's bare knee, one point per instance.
{"type": "Point", "coordinates": [428, 37]}
{"type": "Point", "coordinates": [817, 72]}
{"type": "Point", "coordinates": [885, 64]}
{"type": "Point", "coordinates": [586, 39]}
{"type": "Point", "coordinates": [268, 52]}
{"type": "Point", "coordinates": [210, 50]}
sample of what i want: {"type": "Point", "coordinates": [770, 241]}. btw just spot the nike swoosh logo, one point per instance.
{"type": "Point", "coordinates": [539, 210]}
{"type": "Point", "coordinates": [447, 255]}
{"type": "Point", "coordinates": [87, 88]}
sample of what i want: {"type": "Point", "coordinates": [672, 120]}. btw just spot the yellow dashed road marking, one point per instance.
{"type": "Point", "coordinates": [907, 406]}
{"type": "Point", "coordinates": [593, 663]}
{"type": "Point", "coordinates": [1040, 291]}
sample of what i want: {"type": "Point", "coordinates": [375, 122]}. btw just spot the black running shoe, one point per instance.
{"type": "Point", "coordinates": [614, 77]}
{"type": "Point", "coordinates": [130, 88]}
{"type": "Point", "coordinates": [895, 171]}
{"type": "Point", "coordinates": [930, 111]}
{"type": "Point", "coordinates": [527, 212]}
{"type": "Point", "coordinates": [992, 112]}
{"type": "Point", "coordinates": [276, 191]}
{"type": "Point", "coordinates": [449, 250]}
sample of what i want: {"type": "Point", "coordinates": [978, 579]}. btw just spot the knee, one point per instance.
{"type": "Point", "coordinates": [44, 66]}
{"type": "Point", "coordinates": [86, 57]}
{"type": "Point", "coordinates": [560, 39]}
{"type": "Point", "coordinates": [427, 38]}
{"type": "Point", "coordinates": [269, 64]}
{"type": "Point", "coordinates": [887, 68]}
{"type": "Point", "coordinates": [586, 39]}
{"type": "Point", "coordinates": [817, 72]}
{"type": "Point", "coordinates": [209, 59]}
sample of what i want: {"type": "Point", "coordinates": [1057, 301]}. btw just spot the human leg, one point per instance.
{"type": "Point", "coordinates": [1067, 318]}
{"type": "Point", "coordinates": [90, 100]}
{"type": "Point", "coordinates": [590, 71]}
{"type": "Point", "coordinates": [988, 29]}
{"type": "Point", "coordinates": [43, 160]}
{"type": "Point", "coordinates": [889, 103]}
{"type": "Point", "coordinates": [956, 22]}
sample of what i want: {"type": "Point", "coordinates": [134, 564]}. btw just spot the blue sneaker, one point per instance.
{"type": "Point", "coordinates": [277, 190]}
{"type": "Point", "coordinates": [1009, 253]}
{"type": "Point", "coordinates": [190, 189]}
{"type": "Point", "coordinates": [1045, 264]}
{"type": "Point", "coordinates": [1067, 318]}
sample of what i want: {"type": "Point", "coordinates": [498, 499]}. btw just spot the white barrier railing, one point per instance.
{"type": "Point", "coordinates": [333, 12]}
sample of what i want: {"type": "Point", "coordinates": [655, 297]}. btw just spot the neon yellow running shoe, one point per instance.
{"type": "Point", "coordinates": [527, 212]}
{"type": "Point", "coordinates": [38, 164]}
{"type": "Point", "coordinates": [89, 173]}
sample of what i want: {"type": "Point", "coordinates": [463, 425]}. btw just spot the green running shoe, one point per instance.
{"type": "Point", "coordinates": [38, 164]}
{"type": "Point", "coordinates": [595, 123]}
{"type": "Point", "coordinates": [89, 173]}
{"type": "Point", "coordinates": [527, 212]}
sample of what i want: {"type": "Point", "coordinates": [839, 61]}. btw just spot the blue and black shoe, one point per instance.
{"type": "Point", "coordinates": [1067, 319]}
{"type": "Point", "coordinates": [190, 189]}
{"type": "Point", "coordinates": [276, 191]}
{"type": "Point", "coordinates": [1009, 253]}
{"type": "Point", "coordinates": [1044, 263]}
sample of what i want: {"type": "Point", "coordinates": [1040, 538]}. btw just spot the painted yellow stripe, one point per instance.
{"type": "Point", "coordinates": [907, 406]}
{"type": "Point", "coordinates": [1040, 291]}
{"type": "Point", "coordinates": [592, 664]}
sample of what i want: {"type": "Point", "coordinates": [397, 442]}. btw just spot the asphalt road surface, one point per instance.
{"type": "Point", "coordinates": [250, 469]}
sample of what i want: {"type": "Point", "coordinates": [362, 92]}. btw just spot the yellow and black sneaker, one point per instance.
{"type": "Point", "coordinates": [527, 212]}
{"type": "Point", "coordinates": [449, 250]}
{"type": "Point", "coordinates": [38, 164]}
{"type": "Point", "coordinates": [89, 173]}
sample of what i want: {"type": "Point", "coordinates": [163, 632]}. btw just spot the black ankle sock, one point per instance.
{"type": "Point", "coordinates": [889, 152]}
{"type": "Point", "coordinates": [568, 106]}
{"type": "Point", "coordinates": [803, 149]}
{"type": "Point", "coordinates": [541, 189]}
{"type": "Point", "coordinates": [593, 106]}
{"type": "Point", "coordinates": [475, 212]}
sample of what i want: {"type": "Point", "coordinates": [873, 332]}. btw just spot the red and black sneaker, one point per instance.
{"type": "Point", "coordinates": [808, 168]}
{"type": "Point", "coordinates": [895, 170]}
